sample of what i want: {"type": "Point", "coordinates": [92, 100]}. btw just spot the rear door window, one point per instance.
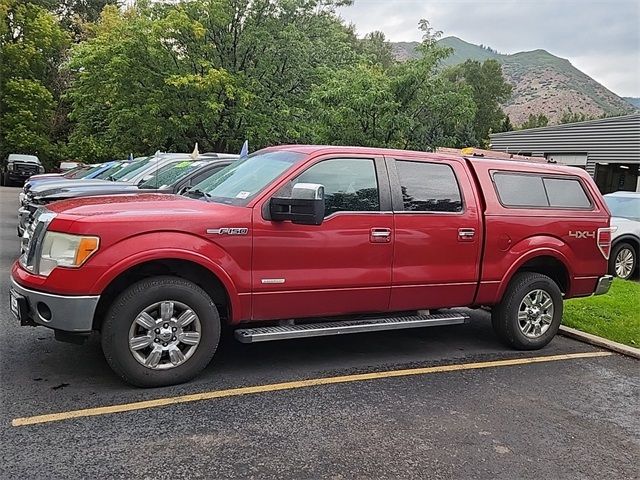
{"type": "Point", "coordinates": [428, 187]}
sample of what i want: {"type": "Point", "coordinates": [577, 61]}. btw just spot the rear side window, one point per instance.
{"type": "Point", "coordinates": [428, 187]}
{"type": "Point", "coordinates": [566, 192]}
{"type": "Point", "coordinates": [537, 191]}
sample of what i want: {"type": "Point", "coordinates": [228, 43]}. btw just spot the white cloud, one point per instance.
{"type": "Point", "coordinates": [600, 37]}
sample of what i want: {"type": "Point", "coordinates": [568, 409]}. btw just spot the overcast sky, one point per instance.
{"type": "Point", "coordinates": [601, 38]}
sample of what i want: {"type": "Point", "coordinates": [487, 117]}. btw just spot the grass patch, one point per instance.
{"type": "Point", "coordinates": [615, 316]}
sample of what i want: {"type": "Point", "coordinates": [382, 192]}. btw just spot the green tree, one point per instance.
{"type": "Point", "coordinates": [32, 45]}
{"type": "Point", "coordinates": [353, 106]}
{"type": "Point", "coordinates": [535, 121]}
{"type": "Point", "coordinates": [490, 89]}
{"type": "Point", "coordinates": [212, 71]}
{"type": "Point", "coordinates": [375, 46]}
{"type": "Point", "coordinates": [572, 117]}
{"type": "Point", "coordinates": [506, 125]}
{"type": "Point", "coordinates": [409, 105]}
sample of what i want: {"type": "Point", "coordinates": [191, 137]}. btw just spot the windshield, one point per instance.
{"type": "Point", "coordinates": [110, 171]}
{"type": "Point", "coordinates": [241, 181]}
{"type": "Point", "coordinates": [129, 170]}
{"type": "Point", "coordinates": [625, 207]}
{"type": "Point", "coordinates": [74, 170]}
{"type": "Point", "coordinates": [94, 169]}
{"type": "Point", "coordinates": [79, 172]}
{"type": "Point", "coordinates": [238, 183]}
{"type": "Point", "coordinates": [171, 173]}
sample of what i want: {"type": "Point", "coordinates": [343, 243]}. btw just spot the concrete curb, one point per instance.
{"type": "Point", "coordinates": [600, 342]}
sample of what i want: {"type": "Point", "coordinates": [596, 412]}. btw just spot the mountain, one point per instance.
{"type": "Point", "coordinates": [635, 101]}
{"type": "Point", "coordinates": [542, 83]}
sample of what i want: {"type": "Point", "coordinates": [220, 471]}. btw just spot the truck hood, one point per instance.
{"type": "Point", "coordinates": [141, 205]}
{"type": "Point", "coordinates": [52, 182]}
{"type": "Point", "coordinates": [45, 175]}
{"type": "Point", "coordinates": [59, 192]}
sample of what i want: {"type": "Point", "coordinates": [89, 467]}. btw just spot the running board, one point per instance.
{"type": "Point", "coordinates": [284, 332]}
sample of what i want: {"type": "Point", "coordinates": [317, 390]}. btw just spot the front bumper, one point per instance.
{"type": "Point", "coordinates": [19, 177]}
{"type": "Point", "coordinates": [603, 285]}
{"type": "Point", "coordinates": [59, 312]}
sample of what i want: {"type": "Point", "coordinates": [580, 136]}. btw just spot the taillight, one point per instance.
{"type": "Point", "coordinates": [604, 241]}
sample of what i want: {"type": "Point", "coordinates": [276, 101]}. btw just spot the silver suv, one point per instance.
{"type": "Point", "coordinates": [625, 219]}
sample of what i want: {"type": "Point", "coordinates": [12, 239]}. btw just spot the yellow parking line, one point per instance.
{"type": "Point", "coordinates": [313, 382]}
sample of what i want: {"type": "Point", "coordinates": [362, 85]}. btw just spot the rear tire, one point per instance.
{"type": "Point", "coordinates": [623, 261]}
{"type": "Point", "coordinates": [175, 324]}
{"type": "Point", "coordinates": [530, 313]}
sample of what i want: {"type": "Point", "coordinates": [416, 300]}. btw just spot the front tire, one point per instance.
{"type": "Point", "coordinates": [530, 313]}
{"type": "Point", "coordinates": [160, 331]}
{"type": "Point", "coordinates": [623, 261]}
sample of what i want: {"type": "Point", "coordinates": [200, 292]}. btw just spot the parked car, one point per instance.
{"type": "Point", "coordinates": [66, 166]}
{"type": "Point", "coordinates": [17, 168]}
{"type": "Point", "coordinates": [73, 173]}
{"type": "Point", "coordinates": [625, 220]}
{"type": "Point", "coordinates": [87, 172]}
{"type": "Point", "coordinates": [172, 178]}
{"type": "Point", "coordinates": [332, 240]}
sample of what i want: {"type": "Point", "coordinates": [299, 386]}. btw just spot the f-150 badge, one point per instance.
{"type": "Point", "coordinates": [228, 231]}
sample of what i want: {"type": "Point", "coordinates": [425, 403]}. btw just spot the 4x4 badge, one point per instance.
{"type": "Point", "coordinates": [582, 234]}
{"type": "Point", "coordinates": [228, 231]}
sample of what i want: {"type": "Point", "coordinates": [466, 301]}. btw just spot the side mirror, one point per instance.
{"type": "Point", "coordinates": [304, 207]}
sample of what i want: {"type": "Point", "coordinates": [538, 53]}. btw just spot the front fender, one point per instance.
{"type": "Point", "coordinates": [138, 249]}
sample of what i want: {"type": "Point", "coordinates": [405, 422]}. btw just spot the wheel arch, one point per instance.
{"type": "Point", "coordinates": [190, 270]}
{"type": "Point", "coordinates": [544, 261]}
{"type": "Point", "coordinates": [627, 238]}
{"type": "Point", "coordinates": [631, 240]}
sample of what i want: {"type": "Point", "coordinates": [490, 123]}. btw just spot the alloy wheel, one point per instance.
{"type": "Point", "coordinates": [164, 335]}
{"type": "Point", "coordinates": [535, 313]}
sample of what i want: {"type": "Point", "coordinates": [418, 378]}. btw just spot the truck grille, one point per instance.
{"type": "Point", "coordinates": [26, 169]}
{"type": "Point", "coordinates": [32, 239]}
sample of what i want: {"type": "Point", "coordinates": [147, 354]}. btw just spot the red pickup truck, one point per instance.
{"type": "Point", "coordinates": [299, 241]}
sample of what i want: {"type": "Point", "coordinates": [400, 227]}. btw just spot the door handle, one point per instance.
{"type": "Point", "coordinates": [380, 235]}
{"type": "Point", "coordinates": [466, 234]}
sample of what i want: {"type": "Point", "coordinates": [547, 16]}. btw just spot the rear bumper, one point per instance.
{"type": "Point", "coordinates": [603, 285]}
{"type": "Point", "coordinates": [66, 313]}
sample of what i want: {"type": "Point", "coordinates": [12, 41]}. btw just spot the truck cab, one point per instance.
{"type": "Point", "coordinates": [298, 241]}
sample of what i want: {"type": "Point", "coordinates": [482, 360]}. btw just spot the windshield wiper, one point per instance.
{"type": "Point", "coordinates": [200, 194]}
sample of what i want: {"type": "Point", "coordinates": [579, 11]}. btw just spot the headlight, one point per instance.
{"type": "Point", "coordinates": [41, 169]}
{"type": "Point", "coordinates": [64, 250]}
{"type": "Point", "coordinates": [10, 166]}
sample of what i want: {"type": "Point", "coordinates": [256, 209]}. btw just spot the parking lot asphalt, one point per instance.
{"type": "Point", "coordinates": [573, 417]}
